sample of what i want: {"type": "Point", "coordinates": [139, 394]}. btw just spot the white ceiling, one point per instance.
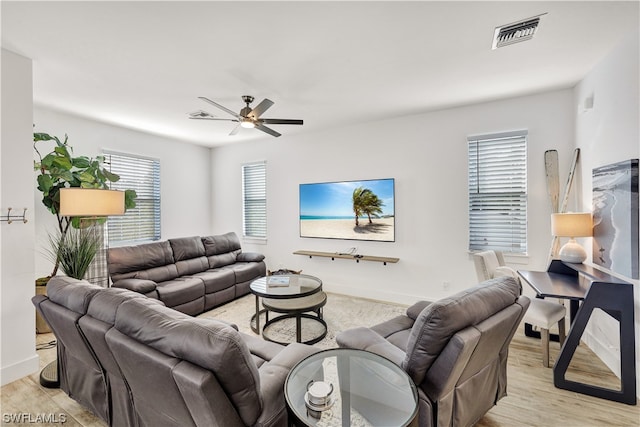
{"type": "Point", "coordinates": [142, 64]}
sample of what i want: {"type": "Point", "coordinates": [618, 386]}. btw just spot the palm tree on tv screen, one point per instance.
{"type": "Point", "coordinates": [366, 202]}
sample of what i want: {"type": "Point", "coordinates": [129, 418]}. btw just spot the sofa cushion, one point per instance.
{"type": "Point", "coordinates": [187, 248]}
{"type": "Point", "coordinates": [210, 344]}
{"type": "Point", "coordinates": [104, 305]}
{"type": "Point", "coordinates": [216, 245]}
{"type": "Point", "coordinates": [140, 257]}
{"type": "Point", "coordinates": [439, 321]}
{"type": "Point", "coordinates": [222, 260]}
{"type": "Point", "coordinates": [247, 271]}
{"type": "Point", "coordinates": [217, 279]}
{"type": "Point", "coordinates": [180, 291]}
{"type": "Point", "coordinates": [71, 293]}
{"type": "Point", "coordinates": [156, 274]}
{"type": "Point", "coordinates": [192, 265]}
{"type": "Point", "coordinates": [221, 250]}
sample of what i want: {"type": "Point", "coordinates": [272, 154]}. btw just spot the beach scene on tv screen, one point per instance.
{"type": "Point", "coordinates": [352, 210]}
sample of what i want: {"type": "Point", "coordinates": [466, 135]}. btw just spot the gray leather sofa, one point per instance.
{"type": "Point", "coordinates": [190, 274]}
{"type": "Point", "coordinates": [134, 362]}
{"type": "Point", "coordinates": [455, 349]}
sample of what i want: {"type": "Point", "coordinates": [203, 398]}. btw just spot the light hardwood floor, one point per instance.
{"type": "Point", "coordinates": [532, 399]}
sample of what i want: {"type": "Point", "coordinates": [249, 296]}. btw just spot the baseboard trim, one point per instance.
{"type": "Point", "coordinates": [11, 373]}
{"type": "Point", "coordinates": [609, 356]}
{"type": "Point", "coordinates": [373, 294]}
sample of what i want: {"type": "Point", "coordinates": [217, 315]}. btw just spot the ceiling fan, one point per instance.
{"type": "Point", "coordinates": [248, 117]}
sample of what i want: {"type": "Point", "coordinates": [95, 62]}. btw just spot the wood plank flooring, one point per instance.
{"type": "Point", "coordinates": [532, 399]}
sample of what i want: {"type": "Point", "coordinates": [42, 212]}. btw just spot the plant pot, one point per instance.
{"type": "Point", "coordinates": [41, 325]}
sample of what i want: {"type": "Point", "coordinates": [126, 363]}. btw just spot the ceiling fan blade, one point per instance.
{"type": "Point", "coordinates": [214, 118]}
{"type": "Point", "coordinates": [260, 108]}
{"type": "Point", "coordinates": [281, 121]}
{"type": "Point", "coordinates": [235, 129]}
{"type": "Point", "coordinates": [200, 114]}
{"type": "Point", "coordinates": [222, 107]}
{"type": "Point", "coordinates": [270, 131]}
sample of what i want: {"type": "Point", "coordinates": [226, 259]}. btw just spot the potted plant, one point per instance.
{"type": "Point", "coordinates": [60, 169]}
{"type": "Point", "coordinates": [74, 251]}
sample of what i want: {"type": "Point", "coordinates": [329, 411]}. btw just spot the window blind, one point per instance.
{"type": "Point", "coordinates": [254, 199]}
{"type": "Point", "coordinates": [498, 192]}
{"type": "Point", "coordinates": [141, 174]}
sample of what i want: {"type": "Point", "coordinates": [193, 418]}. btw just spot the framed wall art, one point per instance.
{"type": "Point", "coordinates": [350, 210]}
{"type": "Point", "coordinates": [615, 217]}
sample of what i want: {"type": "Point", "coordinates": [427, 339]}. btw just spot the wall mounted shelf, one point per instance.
{"type": "Point", "coordinates": [356, 257]}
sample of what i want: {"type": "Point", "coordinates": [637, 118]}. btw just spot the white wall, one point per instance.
{"type": "Point", "coordinates": [606, 134]}
{"type": "Point", "coordinates": [17, 316]}
{"type": "Point", "coordinates": [426, 154]}
{"type": "Point", "coordinates": [184, 174]}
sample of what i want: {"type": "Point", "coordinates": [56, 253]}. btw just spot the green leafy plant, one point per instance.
{"type": "Point", "coordinates": [74, 251]}
{"type": "Point", "coordinates": [60, 169]}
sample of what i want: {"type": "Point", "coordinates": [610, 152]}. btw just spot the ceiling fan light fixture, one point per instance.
{"type": "Point", "coordinates": [247, 124]}
{"type": "Point", "coordinates": [248, 117]}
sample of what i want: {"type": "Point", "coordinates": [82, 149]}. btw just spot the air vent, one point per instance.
{"type": "Point", "coordinates": [516, 32]}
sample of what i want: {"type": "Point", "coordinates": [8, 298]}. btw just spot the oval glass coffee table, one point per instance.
{"type": "Point", "coordinates": [368, 390]}
{"type": "Point", "coordinates": [293, 295]}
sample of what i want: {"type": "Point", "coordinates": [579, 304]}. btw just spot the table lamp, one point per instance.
{"type": "Point", "coordinates": [572, 225]}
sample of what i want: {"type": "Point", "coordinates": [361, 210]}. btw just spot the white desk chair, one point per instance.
{"type": "Point", "coordinates": [541, 313]}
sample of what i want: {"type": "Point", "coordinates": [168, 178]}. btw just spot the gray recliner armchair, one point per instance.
{"type": "Point", "coordinates": [542, 313]}
{"type": "Point", "coordinates": [455, 349]}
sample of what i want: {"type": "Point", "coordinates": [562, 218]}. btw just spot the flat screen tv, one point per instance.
{"type": "Point", "coordinates": [350, 210]}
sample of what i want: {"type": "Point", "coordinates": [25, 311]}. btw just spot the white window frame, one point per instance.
{"type": "Point", "coordinates": [142, 223]}
{"type": "Point", "coordinates": [254, 200]}
{"type": "Point", "coordinates": [498, 192]}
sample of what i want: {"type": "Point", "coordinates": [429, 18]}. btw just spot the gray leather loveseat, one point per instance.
{"type": "Point", "coordinates": [455, 349]}
{"type": "Point", "coordinates": [190, 274]}
{"type": "Point", "coordinates": [134, 362]}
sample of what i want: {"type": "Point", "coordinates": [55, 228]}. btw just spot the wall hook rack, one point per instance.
{"type": "Point", "coordinates": [8, 218]}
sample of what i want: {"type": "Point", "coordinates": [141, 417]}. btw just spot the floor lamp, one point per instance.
{"type": "Point", "coordinates": [88, 203]}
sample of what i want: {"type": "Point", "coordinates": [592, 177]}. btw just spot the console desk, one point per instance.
{"type": "Point", "coordinates": [588, 288]}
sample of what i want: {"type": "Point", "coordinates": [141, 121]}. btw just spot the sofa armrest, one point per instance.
{"type": "Point", "coordinates": [414, 311]}
{"type": "Point", "coordinates": [141, 286]}
{"type": "Point", "coordinates": [37, 300]}
{"type": "Point", "coordinates": [249, 257]}
{"type": "Point", "coordinates": [272, 377]}
{"type": "Point", "coordinates": [204, 397]}
{"type": "Point", "coordinates": [368, 340]}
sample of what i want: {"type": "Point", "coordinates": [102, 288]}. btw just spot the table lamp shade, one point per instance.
{"type": "Point", "coordinates": [91, 202]}
{"type": "Point", "coordinates": [572, 225]}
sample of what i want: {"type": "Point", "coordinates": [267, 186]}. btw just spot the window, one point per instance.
{"type": "Point", "coordinates": [141, 174]}
{"type": "Point", "coordinates": [498, 192]}
{"type": "Point", "coordinates": [254, 200]}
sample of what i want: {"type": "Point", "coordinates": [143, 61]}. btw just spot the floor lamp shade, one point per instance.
{"type": "Point", "coordinates": [91, 202]}
{"type": "Point", "coordinates": [572, 225]}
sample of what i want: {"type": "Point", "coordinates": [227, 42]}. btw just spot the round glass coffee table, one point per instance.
{"type": "Point", "coordinates": [292, 295]}
{"type": "Point", "coordinates": [368, 390]}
